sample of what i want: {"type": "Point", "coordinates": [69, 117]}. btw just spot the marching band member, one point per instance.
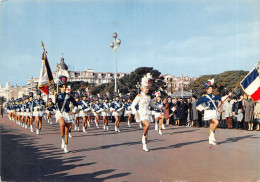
{"type": "Point", "coordinates": [39, 106]}
{"type": "Point", "coordinates": [210, 113]}
{"type": "Point", "coordinates": [63, 113]}
{"type": "Point", "coordinates": [77, 115]}
{"type": "Point", "coordinates": [50, 110]}
{"type": "Point", "coordinates": [117, 108]}
{"type": "Point", "coordinates": [159, 116]}
{"type": "Point", "coordinates": [85, 112]}
{"type": "Point", "coordinates": [23, 110]}
{"type": "Point", "coordinates": [128, 111]}
{"type": "Point", "coordinates": [18, 111]}
{"type": "Point", "coordinates": [28, 110]}
{"type": "Point", "coordinates": [143, 115]}
{"type": "Point", "coordinates": [97, 111]}
{"type": "Point", "coordinates": [105, 106]}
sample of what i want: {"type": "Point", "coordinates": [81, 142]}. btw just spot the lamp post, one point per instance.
{"type": "Point", "coordinates": [138, 86]}
{"type": "Point", "coordinates": [114, 45]}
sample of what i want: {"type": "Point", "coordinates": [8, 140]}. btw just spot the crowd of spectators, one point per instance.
{"type": "Point", "coordinates": [236, 113]}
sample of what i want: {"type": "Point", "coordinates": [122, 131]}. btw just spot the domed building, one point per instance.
{"type": "Point", "coordinates": [89, 75]}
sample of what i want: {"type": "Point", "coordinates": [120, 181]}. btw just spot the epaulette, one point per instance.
{"type": "Point", "coordinates": [204, 95]}
{"type": "Point", "coordinates": [138, 95]}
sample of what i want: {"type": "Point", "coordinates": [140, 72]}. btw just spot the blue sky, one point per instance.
{"type": "Point", "coordinates": [189, 37]}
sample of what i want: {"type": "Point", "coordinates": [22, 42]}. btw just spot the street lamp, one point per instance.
{"type": "Point", "coordinates": [114, 45]}
{"type": "Point", "coordinates": [138, 86]}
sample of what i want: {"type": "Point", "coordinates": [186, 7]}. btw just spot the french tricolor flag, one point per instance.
{"type": "Point", "coordinates": [251, 84]}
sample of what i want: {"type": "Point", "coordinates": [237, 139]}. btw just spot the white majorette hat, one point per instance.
{"type": "Point", "coordinates": [146, 80]}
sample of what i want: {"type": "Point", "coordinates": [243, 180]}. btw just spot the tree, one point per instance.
{"type": "Point", "coordinates": [224, 83]}
{"type": "Point", "coordinates": [128, 83]}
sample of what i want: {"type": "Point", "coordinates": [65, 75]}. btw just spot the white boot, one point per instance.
{"type": "Point", "coordinates": [129, 124]}
{"type": "Point", "coordinates": [156, 127]}
{"type": "Point", "coordinates": [160, 132]}
{"type": "Point", "coordinates": [118, 129]}
{"type": "Point", "coordinates": [115, 129]}
{"type": "Point", "coordinates": [51, 122]}
{"type": "Point", "coordinates": [163, 127]}
{"type": "Point", "coordinates": [88, 124]}
{"type": "Point", "coordinates": [66, 148]}
{"type": "Point", "coordinates": [75, 129]}
{"type": "Point", "coordinates": [211, 142]}
{"type": "Point", "coordinates": [48, 120]}
{"type": "Point", "coordinates": [20, 123]}
{"type": "Point", "coordinates": [31, 128]}
{"type": "Point", "coordinates": [212, 136]}
{"type": "Point", "coordinates": [140, 125]}
{"type": "Point", "coordinates": [78, 128]}
{"type": "Point", "coordinates": [145, 148]}
{"type": "Point", "coordinates": [104, 127]}
{"type": "Point", "coordinates": [143, 139]}
{"type": "Point", "coordinates": [107, 128]}
{"type": "Point", "coordinates": [62, 142]}
{"type": "Point", "coordinates": [37, 131]}
{"type": "Point", "coordinates": [70, 135]}
{"type": "Point", "coordinates": [26, 126]}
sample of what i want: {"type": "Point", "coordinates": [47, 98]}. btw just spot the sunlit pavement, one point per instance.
{"type": "Point", "coordinates": [180, 154]}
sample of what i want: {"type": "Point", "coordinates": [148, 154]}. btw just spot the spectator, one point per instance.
{"type": "Point", "coordinates": [249, 112]}
{"type": "Point", "coordinates": [181, 113]}
{"type": "Point", "coordinates": [2, 110]}
{"type": "Point", "coordinates": [257, 114]}
{"type": "Point", "coordinates": [194, 114]}
{"type": "Point", "coordinates": [237, 113]}
{"type": "Point", "coordinates": [171, 112]}
{"type": "Point", "coordinates": [166, 111]}
{"type": "Point", "coordinates": [228, 112]}
{"type": "Point", "coordinates": [222, 119]}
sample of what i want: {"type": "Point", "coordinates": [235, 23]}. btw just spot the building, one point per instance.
{"type": "Point", "coordinates": [174, 84]}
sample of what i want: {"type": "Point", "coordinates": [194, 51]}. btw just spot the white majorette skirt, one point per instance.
{"type": "Point", "coordinates": [128, 112]}
{"type": "Point", "coordinates": [68, 118]}
{"type": "Point", "coordinates": [29, 114]}
{"type": "Point", "coordinates": [108, 113]}
{"type": "Point", "coordinates": [210, 114]}
{"type": "Point", "coordinates": [117, 113]}
{"type": "Point", "coordinates": [49, 112]}
{"type": "Point", "coordinates": [157, 114]}
{"type": "Point", "coordinates": [142, 117]}
{"type": "Point", "coordinates": [38, 113]}
{"type": "Point", "coordinates": [82, 113]}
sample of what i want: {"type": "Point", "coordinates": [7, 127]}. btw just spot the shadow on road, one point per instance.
{"type": "Point", "coordinates": [22, 159]}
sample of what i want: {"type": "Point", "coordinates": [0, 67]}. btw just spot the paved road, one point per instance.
{"type": "Point", "coordinates": [180, 154]}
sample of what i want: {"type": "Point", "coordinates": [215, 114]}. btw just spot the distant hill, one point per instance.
{"type": "Point", "coordinates": [224, 83]}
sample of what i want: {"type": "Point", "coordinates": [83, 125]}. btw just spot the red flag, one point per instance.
{"type": "Point", "coordinates": [45, 75]}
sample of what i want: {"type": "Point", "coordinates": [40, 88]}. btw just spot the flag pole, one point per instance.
{"type": "Point", "coordinates": [229, 95]}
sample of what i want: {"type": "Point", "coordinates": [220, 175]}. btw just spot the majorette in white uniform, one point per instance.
{"type": "Point", "coordinates": [144, 101]}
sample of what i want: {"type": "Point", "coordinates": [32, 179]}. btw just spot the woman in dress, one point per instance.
{"type": "Point", "coordinates": [85, 112]}
{"type": "Point", "coordinates": [249, 112]}
{"type": "Point", "coordinates": [117, 108]}
{"type": "Point", "coordinates": [77, 115]}
{"type": "Point", "coordinates": [105, 106]}
{"type": "Point", "coordinates": [257, 114]}
{"type": "Point", "coordinates": [64, 114]}
{"type": "Point", "coordinates": [143, 114]}
{"type": "Point", "coordinates": [158, 115]}
{"type": "Point", "coordinates": [50, 110]}
{"type": "Point", "coordinates": [128, 111]}
{"type": "Point", "coordinates": [38, 105]}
